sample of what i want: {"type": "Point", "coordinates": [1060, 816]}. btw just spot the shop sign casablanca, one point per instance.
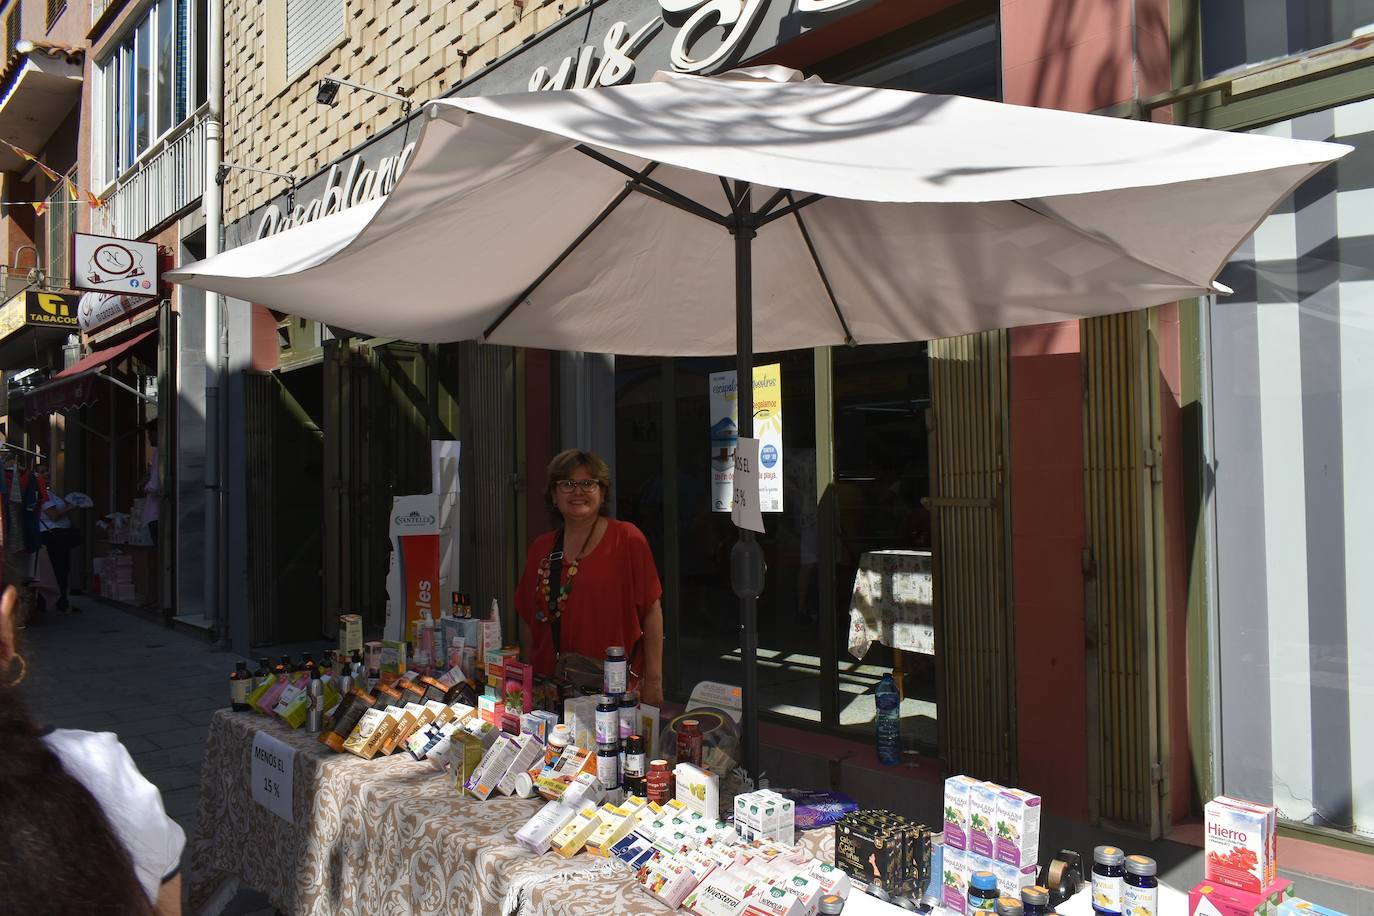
{"type": "Point", "coordinates": [344, 186]}
{"type": "Point", "coordinates": [619, 46]}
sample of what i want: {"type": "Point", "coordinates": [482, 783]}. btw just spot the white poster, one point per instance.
{"type": "Point", "coordinates": [744, 509]}
{"type": "Point", "coordinates": [273, 773]}
{"type": "Point", "coordinates": [724, 415]}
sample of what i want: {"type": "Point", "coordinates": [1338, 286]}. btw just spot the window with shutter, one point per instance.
{"type": "Point", "coordinates": [312, 28]}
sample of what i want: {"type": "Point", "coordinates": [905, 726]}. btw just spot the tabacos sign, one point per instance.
{"type": "Point", "coordinates": [345, 185]}
{"type": "Point", "coordinates": [612, 62]}
{"type": "Point", "coordinates": [52, 310]}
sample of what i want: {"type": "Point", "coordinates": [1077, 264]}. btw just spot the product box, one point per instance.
{"type": "Point", "coordinates": [393, 657]}
{"type": "Point", "coordinates": [358, 740]}
{"type": "Point", "coordinates": [292, 706]}
{"type": "Point", "coordinates": [495, 763]}
{"type": "Point", "coordinates": [831, 879]}
{"type": "Point", "coordinates": [1010, 878]}
{"type": "Point", "coordinates": [1296, 906]}
{"type": "Point", "coordinates": [1210, 898]}
{"type": "Point", "coordinates": [1240, 844]}
{"type": "Point", "coordinates": [982, 818]}
{"type": "Point", "coordinates": [510, 722]}
{"type": "Point", "coordinates": [350, 634]}
{"type": "Point", "coordinates": [537, 833]}
{"type": "Point", "coordinates": [698, 789]}
{"type": "Point", "coordinates": [579, 714]}
{"type": "Point", "coordinates": [554, 780]}
{"type": "Point", "coordinates": [529, 752]}
{"type": "Point", "coordinates": [385, 729]}
{"type": "Point", "coordinates": [491, 709]}
{"type": "Point", "coordinates": [635, 850]}
{"type": "Point", "coordinates": [569, 840]}
{"type": "Point", "coordinates": [956, 827]}
{"type": "Point", "coordinates": [616, 823]}
{"type": "Point", "coordinates": [721, 893]}
{"type": "Point", "coordinates": [668, 880]}
{"type": "Point", "coordinates": [540, 723]}
{"type": "Point", "coordinates": [956, 878]}
{"type": "Point", "coordinates": [1017, 828]}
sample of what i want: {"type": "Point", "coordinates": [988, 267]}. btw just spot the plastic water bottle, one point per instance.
{"type": "Point", "coordinates": [889, 722]}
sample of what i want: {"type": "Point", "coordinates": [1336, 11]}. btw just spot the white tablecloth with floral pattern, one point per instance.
{"type": "Point", "coordinates": [387, 836]}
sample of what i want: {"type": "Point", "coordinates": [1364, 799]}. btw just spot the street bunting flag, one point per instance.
{"type": "Point", "coordinates": [73, 191]}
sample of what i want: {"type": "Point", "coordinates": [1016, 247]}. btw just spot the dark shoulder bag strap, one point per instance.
{"type": "Point", "coordinates": [555, 584]}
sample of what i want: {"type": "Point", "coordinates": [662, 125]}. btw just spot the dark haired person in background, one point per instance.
{"type": "Point", "coordinates": [82, 830]}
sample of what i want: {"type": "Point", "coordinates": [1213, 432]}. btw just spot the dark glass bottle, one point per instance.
{"type": "Point", "coordinates": [1035, 900]}
{"type": "Point", "coordinates": [1140, 896]}
{"type": "Point", "coordinates": [1108, 884]}
{"type": "Point", "coordinates": [240, 683]}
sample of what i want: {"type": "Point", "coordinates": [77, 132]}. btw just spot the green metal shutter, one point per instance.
{"type": "Point", "coordinates": [1123, 581]}
{"type": "Point", "coordinates": [969, 432]}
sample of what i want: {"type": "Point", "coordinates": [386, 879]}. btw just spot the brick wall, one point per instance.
{"type": "Point", "coordinates": [422, 45]}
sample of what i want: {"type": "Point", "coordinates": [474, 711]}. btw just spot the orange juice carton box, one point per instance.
{"type": "Point", "coordinates": [1017, 828]}
{"type": "Point", "coordinates": [957, 790]}
{"type": "Point", "coordinates": [982, 818]}
{"type": "Point", "coordinates": [1240, 844]}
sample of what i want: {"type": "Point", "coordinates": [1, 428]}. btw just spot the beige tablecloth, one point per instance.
{"type": "Point", "coordinates": [386, 836]}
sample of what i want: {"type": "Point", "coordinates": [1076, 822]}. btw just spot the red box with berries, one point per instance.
{"type": "Point", "coordinates": [1241, 846]}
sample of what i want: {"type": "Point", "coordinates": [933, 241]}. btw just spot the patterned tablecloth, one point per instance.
{"type": "Point", "coordinates": [386, 836]}
{"type": "Point", "coordinates": [892, 602]}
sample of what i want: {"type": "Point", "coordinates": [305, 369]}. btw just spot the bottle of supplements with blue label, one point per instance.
{"type": "Point", "coordinates": [1035, 900]}
{"type": "Point", "coordinates": [1141, 895]}
{"type": "Point", "coordinates": [1108, 883]}
{"type": "Point", "coordinates": [982, 892]}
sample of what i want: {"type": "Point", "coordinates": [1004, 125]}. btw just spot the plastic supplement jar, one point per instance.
{"type": "Point", "coordinates": [1141, 893]}
{"type": "Point", "coordinates": [982, 892]}
{"type": "Point", "coordinates": [1108, 883]}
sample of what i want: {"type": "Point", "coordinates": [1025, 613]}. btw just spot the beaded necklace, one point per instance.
{"type": "Point", "coordinates": [556, 606]}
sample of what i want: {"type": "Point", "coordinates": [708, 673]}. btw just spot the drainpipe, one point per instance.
{"type": "Point", "coordinates": [213, 202]}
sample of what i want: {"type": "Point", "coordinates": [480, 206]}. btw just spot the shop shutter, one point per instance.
{"type": "Point", "coordinates": [969, 430]}
{"type": "Point", "coordinates": [261, 469]}
{"type": "Point", "coordinates": [1123, 578]}
{"type": "Point", "coordinates": [312, 28]}
{"type": "Point", "coordinates": [490, 557]}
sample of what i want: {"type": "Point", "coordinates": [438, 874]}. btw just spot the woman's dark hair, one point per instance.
{"type": "Point", "coordinates": [564, 465]}
{"type": "Point", "coordinates": [59, 853]}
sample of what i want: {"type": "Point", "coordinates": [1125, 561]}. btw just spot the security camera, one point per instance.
{"type": "Point", "coordinates": [328, 92]}
{"type": "Point", "coordinates": [221, 173]}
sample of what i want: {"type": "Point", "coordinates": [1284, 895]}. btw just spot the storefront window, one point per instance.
{"type": "Point", "coordinates": [882, 473]}
{"type": "Point", "coordinates": [698, 540]}
{"type": "Point", "coordinates": [966, 62]}
{"type": "Point", "coordinates": [1292, 379]}
{"type": "Point", "coordinates": [1239, 32]}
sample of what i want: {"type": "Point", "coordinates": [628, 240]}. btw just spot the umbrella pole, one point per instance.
{"type": "Point", "coordinates": [746, 558]}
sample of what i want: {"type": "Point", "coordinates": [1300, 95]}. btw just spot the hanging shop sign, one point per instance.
{"type": "Point", "coordinates": [724, 404]}
{"type": "Point", "coordinates": [50, 310]}
{"type": "Point", "coordinates": [96, 310]}
{"type": "Point", "coordinates": [112, 265]}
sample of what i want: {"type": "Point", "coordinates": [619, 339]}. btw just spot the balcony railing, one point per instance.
{"type": "Point", "coordinates": [98, 8]}
{"type": "Point", "coordinates": [158, 188]}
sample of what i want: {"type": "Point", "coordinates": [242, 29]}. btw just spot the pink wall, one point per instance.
{"type": "Point", "coordinates": [1047, 541]}
{"type": "Point", "coordinates": [1077, 55]}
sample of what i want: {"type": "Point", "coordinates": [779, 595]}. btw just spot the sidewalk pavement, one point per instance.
{"type": "Point", "coordinates": [105, 669]}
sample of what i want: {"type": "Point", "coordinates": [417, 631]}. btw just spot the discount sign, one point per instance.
{"type": "Point", "coordinates": [274, 766]}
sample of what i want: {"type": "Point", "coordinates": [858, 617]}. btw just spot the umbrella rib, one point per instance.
{"type": "Point", "coordinates": [773, 202]}
{"type": "Point", "coordinates": [792, 207]}
{"type": "Point", "coordinates": [582, 237]}
{"type": "Point", "coordinates": [815, 259]}
{"type": "Point", "coordinates": [1108, 243]}
{"type": "Point", "coordinates": [676, 198]}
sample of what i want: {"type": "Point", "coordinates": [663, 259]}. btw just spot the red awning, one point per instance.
{"type": "Point", "coordinates": [76, 385]}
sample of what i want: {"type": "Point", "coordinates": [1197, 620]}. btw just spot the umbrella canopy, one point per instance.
{"type": "Point", "coordinates": [560, 219]}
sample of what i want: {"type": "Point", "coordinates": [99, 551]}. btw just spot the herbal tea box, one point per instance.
{"type": "Point", "coordinates": [956, 810]}
{"type": "Point", "coordinates": [1239, 845]}
{"type": "Point", "coordinates": [1018, 828]}
{"type": "Point", "coordinates": [955, 879]}
{"type": "Point", "coordinates": [982, 818]}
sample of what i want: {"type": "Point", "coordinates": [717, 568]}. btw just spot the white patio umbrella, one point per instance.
{"type": "Point", "coordinates": [609, 220]}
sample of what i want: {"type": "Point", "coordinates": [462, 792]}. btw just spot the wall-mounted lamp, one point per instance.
{"type": "Point", "coordinates": [328, 92]}
{"type": "Point", "coordinates": [224, 169]}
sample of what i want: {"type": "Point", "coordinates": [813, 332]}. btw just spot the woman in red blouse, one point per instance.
{"type": "Point", "coordinates": [591, 582]}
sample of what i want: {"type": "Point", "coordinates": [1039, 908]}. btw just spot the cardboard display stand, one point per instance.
{"type": "Point", "coordinates": [424, 545]}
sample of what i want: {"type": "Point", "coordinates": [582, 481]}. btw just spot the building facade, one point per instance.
{"type": "Point", "coordinates": [1064, 479]}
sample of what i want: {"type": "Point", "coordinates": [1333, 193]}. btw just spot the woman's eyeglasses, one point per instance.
{"type": "Point", "coordinates": [586, 486]}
